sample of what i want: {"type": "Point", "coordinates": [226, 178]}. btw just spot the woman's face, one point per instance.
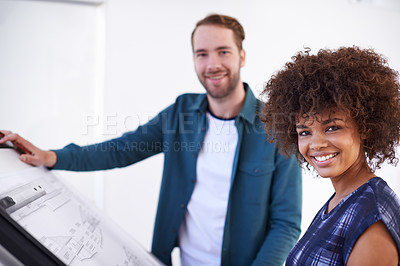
{"type": "Point", "coordinates": [330, 142]}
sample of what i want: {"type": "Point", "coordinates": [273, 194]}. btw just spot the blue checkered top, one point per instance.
{"type": "Point", "coordinates": [331, 237]}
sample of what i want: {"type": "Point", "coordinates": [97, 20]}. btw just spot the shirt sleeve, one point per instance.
{"type": "Point", "coordinates": [131, 147]}
{"type": "Point", "coordinates": [285, 212]}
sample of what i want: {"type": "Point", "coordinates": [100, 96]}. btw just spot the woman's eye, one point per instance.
{"type": "Point", "coordinates": [333, 128]}
{"type": "Point", "coordinates": [304, 133]}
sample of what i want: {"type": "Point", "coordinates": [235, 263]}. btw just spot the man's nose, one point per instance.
{"type": "Point", "coordinates": [213, 63]}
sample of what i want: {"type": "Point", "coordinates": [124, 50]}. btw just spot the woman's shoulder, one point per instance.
{"type": "Point", "coordinates": [373, 201]}
{"type": "Point", "coordinates": [375, 191]}
{"type": "Point", "coordinates": [377, 201]}
{"type": "Point", "coordinates": [379, 207]}
{"type": "Point", "coordinates": [382, 194]}
{"type": "Point", "coordinates": [388, 203]}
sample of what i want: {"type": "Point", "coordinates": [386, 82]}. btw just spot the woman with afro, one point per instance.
{"type": "Point", "coordinates": [339, 112]}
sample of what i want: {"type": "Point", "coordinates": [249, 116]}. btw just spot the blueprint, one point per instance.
{"type": "Point", "coordinates": [65, 223]}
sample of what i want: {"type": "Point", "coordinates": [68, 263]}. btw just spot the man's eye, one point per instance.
{"type": "Point", "coordinates": [201, 55]}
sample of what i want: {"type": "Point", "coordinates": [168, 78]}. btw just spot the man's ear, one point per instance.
{"type": "Point", "coordinates": [242, 57]}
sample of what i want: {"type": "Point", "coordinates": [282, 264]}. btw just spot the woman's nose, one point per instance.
{"type": "Point", "coordinates": [318, 141]}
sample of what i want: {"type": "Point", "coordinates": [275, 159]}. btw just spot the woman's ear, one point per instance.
{"type": "Point", "coordinates": [363, 136]}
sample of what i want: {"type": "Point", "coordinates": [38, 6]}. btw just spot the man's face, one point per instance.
{"type": "Point", "coordinates": [217, 60]}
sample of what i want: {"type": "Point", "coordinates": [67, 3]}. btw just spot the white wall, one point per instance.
{"type": "Point", "coordinates": [48, 73]}
{"type": "Point", "coordinates": [84, 72]}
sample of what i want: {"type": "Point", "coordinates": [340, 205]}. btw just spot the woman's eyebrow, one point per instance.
{"type": "Point", "coordinates": [325, 122]}
{"type": "Point", "coordinates": [301, 126]}
{"type": "Point", "coordinates": [330, 121]}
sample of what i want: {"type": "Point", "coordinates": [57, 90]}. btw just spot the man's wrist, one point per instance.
{"type": "Point", "coordinates": [51, 159]}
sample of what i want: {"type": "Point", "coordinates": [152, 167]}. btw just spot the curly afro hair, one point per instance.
{"type": "Point", "coordinates": [356, 81]}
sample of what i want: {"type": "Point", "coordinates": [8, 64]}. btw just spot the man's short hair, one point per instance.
{"type": "Point", "coordinates": [226, 22]}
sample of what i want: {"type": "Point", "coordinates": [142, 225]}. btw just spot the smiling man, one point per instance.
{"type": "Point", "coordinates": [227, 196]}
{"type": "Point", "coordinates": [217, 62]}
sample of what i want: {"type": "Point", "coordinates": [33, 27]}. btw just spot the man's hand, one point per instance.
{"type": "Point", "coordinates": [37, 157]}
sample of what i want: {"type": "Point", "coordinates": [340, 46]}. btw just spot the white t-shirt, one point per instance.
{"type": "Point", "coordinates": [201, 233]}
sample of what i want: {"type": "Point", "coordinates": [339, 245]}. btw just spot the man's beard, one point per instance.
{"type": "Point", "coordinates": [221, 93]}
